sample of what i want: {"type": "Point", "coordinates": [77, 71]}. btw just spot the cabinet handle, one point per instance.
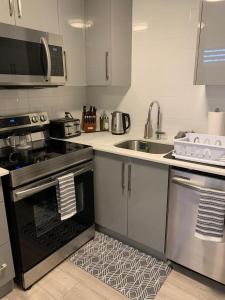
{"type": "Point", "coordinates": [3, 267]}
{"type": "Point", "coordinates": [123, 176]}
{"type": "Point", "coordinates": [129, 178]}
{"type": "Point", "coordinates": [11, 8]}
{"type": "Point", "coordinates": [65, 64]}
{"type": "Point", "coordinates": [48, 57]}
{"type": "Point", "coordinates": [19, 8]}
{"type": "Point", "coordinates": [107, 65]}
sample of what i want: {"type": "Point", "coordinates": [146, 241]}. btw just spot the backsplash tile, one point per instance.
{"type": "Point", "coordinates": [53, 100]}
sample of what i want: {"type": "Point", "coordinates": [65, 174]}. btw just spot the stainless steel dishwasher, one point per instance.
{"type": "Point", "coordinates": [206, 258]}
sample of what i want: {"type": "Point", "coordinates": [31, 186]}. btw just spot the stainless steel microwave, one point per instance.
{"type": "Point", "coordinates": [30, 58]}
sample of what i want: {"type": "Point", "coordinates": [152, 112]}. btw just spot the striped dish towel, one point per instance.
{"type": "Point", "coordinates": [66, 196]}
{"type": "Point", "coordinates": [211, 214]}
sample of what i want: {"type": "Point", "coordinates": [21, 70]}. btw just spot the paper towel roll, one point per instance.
{"type": "Point", "coordinates": [216, 123]}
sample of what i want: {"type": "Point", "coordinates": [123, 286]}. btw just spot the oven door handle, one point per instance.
{"type": "Point", "coordinates": [29, 192]}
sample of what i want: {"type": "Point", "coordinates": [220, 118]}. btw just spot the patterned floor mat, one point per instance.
{"type": "Point", "coordinates": [134, 274]}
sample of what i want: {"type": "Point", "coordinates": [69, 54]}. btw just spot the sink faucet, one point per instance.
{"type": "Point", "coordinates": [148, 126]}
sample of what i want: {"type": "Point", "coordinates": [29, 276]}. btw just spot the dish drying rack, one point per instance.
{"type": "Point", "coordinates": [203, 148]}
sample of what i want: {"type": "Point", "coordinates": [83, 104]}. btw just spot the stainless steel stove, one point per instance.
{"type": "Point", "coordinates": [40, 240]}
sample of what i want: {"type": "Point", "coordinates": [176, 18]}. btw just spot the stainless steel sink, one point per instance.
{"type": "Point", "coordinates": [144, 146]}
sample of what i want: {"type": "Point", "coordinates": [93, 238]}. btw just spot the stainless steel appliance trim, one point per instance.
{"type": "Point", "coordinates": [30, 35]}
{"type": "Point", "coordinates": [107, 65]}
{"type": "Point", "coordinates": [11, 8]}
{"type": "Point", "coordinates": [38, 188]}
{"type": "Point", "coordinates": [205, 257]}
{"type": "Point", "coordinates": [39, 123]}
{"type": "Point", "coordinates": [3, 267]}
{"type": "Point", "coordinates": [37, 272]}
{"type": "Point", "coordinates": [19, 4]}
{"type": "Point", "coordinates": [129, 178]}
{"type": "Point", "coordinates": [54, 165]}
{"type": "Point", "coordinates": [123, 176]}
{"type": "Point", "coordinates": [48, 56]}
{"type": "Point", "coordinates": [65, 65]}
{"type": "Point", "coordinates": [192, 185]}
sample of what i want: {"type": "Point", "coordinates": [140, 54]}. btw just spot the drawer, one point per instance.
{"type": "Point", "coordinates": [6, 264]}
{"type": "Point", "coordinates": [4, 236]}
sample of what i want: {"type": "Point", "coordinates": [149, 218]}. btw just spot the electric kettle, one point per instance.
{"type": "Point", "coordinates": [120, 122]}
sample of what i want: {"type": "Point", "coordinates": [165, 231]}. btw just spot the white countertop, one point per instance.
{"type": "Point", "coordinates": [3, 172]}
{"type": "Point", "coordinates": [105, 141]}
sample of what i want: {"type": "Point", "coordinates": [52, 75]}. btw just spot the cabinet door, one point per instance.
{"type": "Point", "coordinates": [40, 15]}
{"type": "Point", "coordinates": [147, 204]}
{"type": "Point", "coordinates": [121, 41]}
{"type": "Point", "coordinates": [211, 53]}
{"type": "Point", "coordinates": [111, 192]}
{"type": "Point", "coordinates": [72, 27]}
{"type": "Point", "coordinates": [7, 12]}
{"type": "Point", "coordinates": [4, 236]}
{"type": "Point", "coordinates": [6, 264]}
{"type": "Point", "coordinates": [98, 50]}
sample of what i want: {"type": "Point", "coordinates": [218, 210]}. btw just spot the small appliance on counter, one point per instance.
{"type": "Point", "coordinates": [89, 119]}
{"type": "Point", "coordinates": [65, 128]}
{"type": "Point", "coordinates": [120, 122]}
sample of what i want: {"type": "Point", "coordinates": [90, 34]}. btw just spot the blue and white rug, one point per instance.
{"type": "Point", "coordinates": [134, 274]}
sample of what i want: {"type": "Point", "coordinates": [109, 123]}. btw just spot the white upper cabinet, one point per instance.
{"type": "Point", "coordinates": [37, 14]}
{"type": "Point", "coordinates": [108, 42]}
{"type": "Point", "coordinates": [210, 62]}
{"type": "Point", "coordinates": [72, 27]}
{"type": "Point", "coordinates": [7, 11]}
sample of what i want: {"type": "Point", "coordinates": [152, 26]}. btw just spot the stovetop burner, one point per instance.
{"type": "Point", "coordinates": [14, 160]}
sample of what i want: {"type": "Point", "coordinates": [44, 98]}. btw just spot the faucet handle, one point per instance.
{"type": "Point", "coordinates": [159, 133]}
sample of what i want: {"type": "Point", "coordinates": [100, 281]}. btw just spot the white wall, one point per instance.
{"type": "Point", "coordinates": [53, 100]}
{"type": "Point", "coordinates": [162, 69]}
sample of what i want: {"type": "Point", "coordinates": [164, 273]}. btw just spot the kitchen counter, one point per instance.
{"type": "Point", "coordinates": [105, 141]}
{"type": "Point", "coordinates": [3, 172]}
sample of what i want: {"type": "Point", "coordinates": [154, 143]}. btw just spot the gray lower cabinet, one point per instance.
{"type": "Point", "coordinates": [6, 260]}
{"type": "Point", "coordinates": [131, 199]}
{"type": "Point", "coordinates": [147, 203]}
{"type": "Point", "coordinates": [111, 192]}
{"type": "Point", "coordinates": [6, 269]}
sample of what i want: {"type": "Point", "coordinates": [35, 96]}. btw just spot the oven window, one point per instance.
{"type": "Point", "coordinates": [41, 232]}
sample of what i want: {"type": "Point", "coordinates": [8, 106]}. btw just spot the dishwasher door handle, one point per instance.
{"type": "Point", "coordinates": [194, 186]}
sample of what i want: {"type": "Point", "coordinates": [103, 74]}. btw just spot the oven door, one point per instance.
{"type": "Point", "coordinates": [30, 57]}
{"type": "Point", "coordinates": [38, 229]}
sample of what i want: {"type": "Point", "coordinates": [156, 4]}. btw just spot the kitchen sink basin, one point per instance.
{"type": "Point", "coordinates": [144, 146]}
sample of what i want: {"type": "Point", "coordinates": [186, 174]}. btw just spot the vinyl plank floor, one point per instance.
{"type": "Point", "coordinates": [68, 282]}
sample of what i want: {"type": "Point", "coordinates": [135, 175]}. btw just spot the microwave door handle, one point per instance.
{"type": "Point", "coordinates": [194, 186]}
{"type": "Point", "coordinates": [26, 193]}
{"type": "Point", "coordinates": [48, 56]}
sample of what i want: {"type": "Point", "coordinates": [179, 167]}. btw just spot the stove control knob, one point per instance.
{"type": "Point", "coordinates": [34, 119]}
{"type": "Point", "coordinates": [43, 118]}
